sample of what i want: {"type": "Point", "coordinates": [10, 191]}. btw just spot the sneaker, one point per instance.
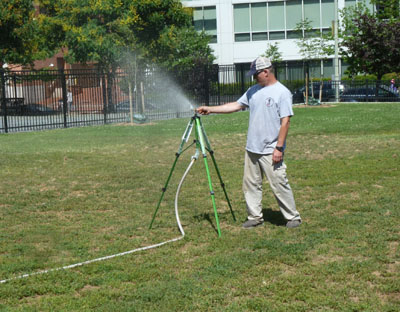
{"type": "Point", "coordinates": [293, 224]}
{"type": "Point", "coordinates": [249, 224]}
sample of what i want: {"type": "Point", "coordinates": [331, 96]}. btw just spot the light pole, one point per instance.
{"type": "Point", "coordinates": [336, 52]}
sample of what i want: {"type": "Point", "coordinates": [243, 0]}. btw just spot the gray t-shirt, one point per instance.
{"type": "Point", "coordinates": [267, 106]}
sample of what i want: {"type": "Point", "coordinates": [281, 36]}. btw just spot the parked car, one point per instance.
{"type": "Point", "coordinates": [369, 94]}
{"type": "Point", "coordinates": [37, 110]}
{"type": "Point", "coordinates": [13, 106]}
{"type": "Point", "coordinates": [124, 107]}
{"type": "Point", "coordinates": [328, 92]}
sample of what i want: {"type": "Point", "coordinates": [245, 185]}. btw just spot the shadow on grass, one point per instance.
{"type": "Point", "coordinates": [206, 216]}
{"type": "Point", "coordinates": [274, 217]}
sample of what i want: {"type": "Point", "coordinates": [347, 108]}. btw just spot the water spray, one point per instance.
{"type": "Point", "coordinates": [202, 146]}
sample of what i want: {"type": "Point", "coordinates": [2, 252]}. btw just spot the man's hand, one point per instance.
{"type": "Point", "coordinates": [203, 110]}
{"type": "Point", "coordinates": [277, 156]}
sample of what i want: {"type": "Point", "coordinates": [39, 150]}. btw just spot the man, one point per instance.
{"type": "Point", "coordinates": [270, 105]}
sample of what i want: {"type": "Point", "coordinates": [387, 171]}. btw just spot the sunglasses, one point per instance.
{"type": "Point", "coordinates": [258, 72]}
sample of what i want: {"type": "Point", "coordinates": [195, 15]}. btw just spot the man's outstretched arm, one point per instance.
{"type": "Point", "coordinates": [221, 109]}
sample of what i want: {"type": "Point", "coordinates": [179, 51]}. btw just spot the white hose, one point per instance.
{"type": "Point", "coordinates": [177, 195]}
{"type": "Point", "coordinates": [122, 253]}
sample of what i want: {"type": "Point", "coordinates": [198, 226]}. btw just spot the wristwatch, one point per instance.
{"type": "Point", "coordinates": [279, 148]}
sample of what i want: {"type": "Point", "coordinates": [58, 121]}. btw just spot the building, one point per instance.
{"type": "Point", "coordinates": [242, 29]}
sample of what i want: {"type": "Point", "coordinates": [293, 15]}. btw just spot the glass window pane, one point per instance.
{"type": "Point", "coordinates": [198, 19]}
{"type": "Point", "coordinates": [369, 5]}
{"type": "Point", "coordinates": [259, 36]}
{"type": "Point", "coordinates": [348, 3]}
{"type": "Point", "coordinates": [293, 35]}
{"type": "Point", "coordinates": [210, 20]}
{"type": "Point", "coordinates": [328, 69]}
{"type": "Point", "coordinates": [276, 35]}
{"type": "Point", "coordinates": [276, 16]}
{"type": "Point", "coordinates": [241, 16]}
{"type": "Point", "coordinates": [259, 16]}
{"type": "Point", "coordinates": [344, 68]}
{"type": "Point", "coordinates": [242, 37]}
{"type": "Point", "coordinates": [328, 12]}
{"type": "Point", "coordinates": [312, 33]}
{"type": "Point", "coordinates": [295, 70]}
{"type": "Point", "coordinates": [311, 11]}
{"type": "Point", "coordinates": [327, 32]}
{"type": "Point", "coordinates": [293, 13]}
{"type": "Point", "coordinates": [315, 69]}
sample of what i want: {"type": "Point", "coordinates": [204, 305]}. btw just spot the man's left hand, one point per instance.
{"type": "Point", "coordinates": [277, 156]}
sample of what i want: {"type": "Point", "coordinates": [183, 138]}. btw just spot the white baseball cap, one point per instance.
{"type": "Point", "coordinates": [258, 64]}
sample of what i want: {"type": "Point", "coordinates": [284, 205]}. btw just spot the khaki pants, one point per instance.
{"type": "Point", "coordinates": [255, 167]}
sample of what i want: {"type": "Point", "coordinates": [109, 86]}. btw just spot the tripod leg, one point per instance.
{"type": "Point", "coordinates": [163, 190]}
{"type": "Point", "coordinates": [222, 184]}
{"type": "Point", "coordinates": [200, 140]}
{"type": "Point", "coordinates": [185, 138]}
{"type": "Point", "coordinates": [216, 168]}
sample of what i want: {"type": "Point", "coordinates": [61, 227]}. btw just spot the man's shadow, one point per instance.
{"type": "Point", "coordinates": [273, 217]}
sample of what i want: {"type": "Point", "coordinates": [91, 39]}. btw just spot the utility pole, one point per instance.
{"type": "Point", "coordinates": [336, 63]}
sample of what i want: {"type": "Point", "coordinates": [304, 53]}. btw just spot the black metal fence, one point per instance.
{"type": "Point", "coordinates": [35, 100]}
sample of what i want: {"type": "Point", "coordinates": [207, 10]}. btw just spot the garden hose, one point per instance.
{"type": "Point", "coordinates": [194, 158]}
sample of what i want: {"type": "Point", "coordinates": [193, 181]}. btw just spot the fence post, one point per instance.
{"type": "Point", "coordinates": [104, 86]}
{"type": "Point", "coordinates": [218, 85]}
{"type": "Point", "coordinates": [366, 90]}
{"type": "Point", "coordinates": [242, 77]}
{"type": "Point", "coordinates": [206, 86]}
{"type": "Point", "coordinates": [3, 99]}
{"type": "Point", "coordinates": [64, 95]}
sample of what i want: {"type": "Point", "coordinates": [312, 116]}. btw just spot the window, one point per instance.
{"type": "Point", "coordinates": [205, 19]}
{"type": "Point", "coordinates": [276, 17]}
{"type": "Point", "coordinates": [295, 70]}
{"type": "Point", "coordinates": [367, 3]}
{"type": "Point", "coordinates": [276, 20]}
{"type": "Point", "coordinates": [327, 13]}
{"type": "Point", "coordinates": [293, 17]}
{"type": "Point", "coordinates": [259, 25]}
{"type": "Point", "coordinates": [312, 13]}
{"type": "Point", "coordinates": [329, 70]}
{"type": "Point", "coordinates": [241, 16]}
{"type": "Point", "coordinates": [348, 3]}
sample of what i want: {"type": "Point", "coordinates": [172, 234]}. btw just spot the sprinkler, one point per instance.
{"type": "Point", "coordinates": [202, 147]}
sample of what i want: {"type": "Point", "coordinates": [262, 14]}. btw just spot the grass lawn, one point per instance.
{"type": "Point", "coordinates": [73, 195]}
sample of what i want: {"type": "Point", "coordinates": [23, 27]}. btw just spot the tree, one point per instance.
{"type": "Point", "coordinates": [18, 28]}
{"type": "Point", "coordinates": [273, 53]}
{"type": "Point", "coordinates": [312, 45]}
{"type": "Point", "coordinates": [387, 9]}
{"type": "Point", "coordinates": [103, 31]}
{"type": "Point", "coordinates": [370, 44]}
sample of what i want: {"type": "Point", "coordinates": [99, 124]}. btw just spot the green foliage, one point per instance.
{"type": "Point", "coordinates": [390, 76]}
{"type": "Point", "coordinates": [312, 44]}
{"type": "Point", "coordinates": [387, 9]}
{"type": "Point", "coordinates": [370, 44]}
{"type": "Point", "coordinates": [360, 78]}
{"type": "Point", "coordinates": [182, 48]}
{"type": "Point", "coordinates": [273, 52]}
{"type": "Point", "coordinates": [106, 31]}
{"type": "Point", "coordinates": [18, 28]}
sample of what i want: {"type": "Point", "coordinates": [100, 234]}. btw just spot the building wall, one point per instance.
{"type": "Point", "coordinates": [229, 51]}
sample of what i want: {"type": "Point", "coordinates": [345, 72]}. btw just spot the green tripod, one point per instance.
{"type": "Point", "coordinates": [202, 145]}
